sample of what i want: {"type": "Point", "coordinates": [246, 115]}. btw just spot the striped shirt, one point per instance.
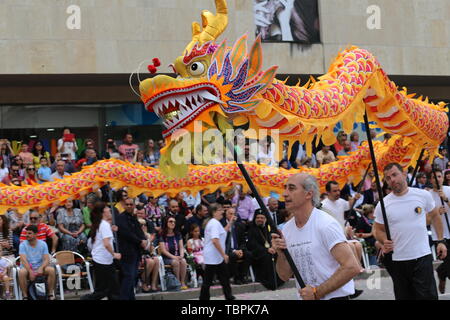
{"type": "Point", "coordinates": [44, 233]}
{"type": "Point", "coordinates": [9, 238]}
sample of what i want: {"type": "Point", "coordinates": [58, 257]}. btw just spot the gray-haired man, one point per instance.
{"type": "Point", "coordinates": [316, 243]}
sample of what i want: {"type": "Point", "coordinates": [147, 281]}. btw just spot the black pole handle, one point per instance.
{"type": "Point", "coordinates": [416, 168]}
{"type": "Point", "coordinates": [116, 242]}
{"type": "Point", "coordinates": [377, 177]}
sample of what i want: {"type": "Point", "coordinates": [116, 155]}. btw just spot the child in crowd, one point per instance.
{"type": "Point", "coordinates": [44, 171]}
{"type": "Point", "coordinates": [150, 262]}
{"type": "Point", "coordinates": [194, 248]}
{"type": "Point", "coordinates": [4, 278]}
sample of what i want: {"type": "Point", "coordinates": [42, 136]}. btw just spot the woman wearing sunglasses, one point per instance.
{"type": "Point", "coordinates": [172, 250]}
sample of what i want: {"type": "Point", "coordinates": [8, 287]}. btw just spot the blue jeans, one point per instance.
{"type": "Point", "coordinates": [129, 271]}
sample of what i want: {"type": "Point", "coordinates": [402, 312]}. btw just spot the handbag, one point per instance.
{"type": "Point", "coordinates": [37, 289]}
{"type": "Point", "coordinates": [172, 283]}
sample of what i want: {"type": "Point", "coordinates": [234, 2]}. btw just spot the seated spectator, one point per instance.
{"type": "Point", "coordinates": [6, 240]}
{"type": "Point", "coordinates": [347, 148]}
{"type": "Point", "coordinates": [151, 154]}
{"type": "Point", "coordinates": [371, 195]}
{"type": "Point", "coordinates": [71, 225]}
{"type": "Point", "coordinates": [6, 152]}
{"type": "Point", "coordinates": [236, 249]}
{"type": "Point", "coordinates": [325, 155]}
{"type": "Point", "coordinates": [5, 279]}
{"type": "Point", "coordinates": [39, 153]}
{"type": "Point", "coordinates": [59, 173]}
{"type": "Point", "coordinates": [149, 261]}
{"type": "Point", "coordinates": [190, 200]}
{"type": "Point", "coordinates": [44, 232]}
{"type": "Point", "coordinates": [194, 247]}
{"type": "Point", "coordinates": [30, 175]}
{"type": "Point", "coordinates": [154, 213]}
{"type": "Point", "coordinates": [339, 144]}
{"type": "Point", "coordinates": [244, 206]}
{"type": "Point", "coordinates": [199, 217]}
{"type": "Point", "coordinates": [139, 158]}
{"type": "Point", "coordinates": [16, 223]}
{"type": "Point", "coordinates": [210, 198]}
{"type": "Point", "coordinates": [285, 164]}
{"type": "Point", "coordinates": [364, 230]}
{"type": "Point", "coordinates": [25, 154]}
{"type": "Point", "coordinates": [17, 160]}
{"type": "Point", "coordinates": [307, 162]}
{"type": "Point", "coordinates": [44, 173]}
{"type": "Point", "coordinates": [111, 151]}
{"type": "Point", "coordinates": [368, 181]}
{"type": "Point", "coordinates": [68, 166]}
{"type": "Point", "coordinates": [263, 255]}
{"type": "Point", "coordinates": [3, 169]}
{"type": "Point", "coordinates": [172, 249]}
{"type": "Point", "coordinates": [35, 261]}
{"type": "Point", "coordinates": [174, 211]}
{"type": "Point", "coordinates": [14, 172]}
{"type": "Point", "coordinates": [91, 199]}
{"type": "Point", "coordinates": [89, 158]}
{"type": "Point", "coordinates": [354, 141]}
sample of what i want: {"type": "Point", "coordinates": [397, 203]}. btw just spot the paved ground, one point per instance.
{"type": "Point", "coordinates": [373, 290]}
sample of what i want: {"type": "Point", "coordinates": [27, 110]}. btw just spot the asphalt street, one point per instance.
{"type": "Point", "coordinates": [375, 288]}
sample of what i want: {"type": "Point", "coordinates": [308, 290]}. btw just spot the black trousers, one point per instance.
{"type": "Point", "coordinates": [221, 270]}
{"type": "Point", "coordinates": [239, 269]}
{"type": "Point", "coordinates": [106, 283]}
{"type": "Point", "coordinates": [414, 279]}
{"type": "Point", "coordinates": [443, 270]}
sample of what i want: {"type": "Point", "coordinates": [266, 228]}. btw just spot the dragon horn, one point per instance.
{"type": "Point", "coordinates": [213, 25]}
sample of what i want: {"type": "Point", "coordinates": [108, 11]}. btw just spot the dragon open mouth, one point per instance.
{"type": "Point", "coordinates": [179, 106]}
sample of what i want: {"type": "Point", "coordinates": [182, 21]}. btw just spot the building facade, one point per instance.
{"type": "Point", "coordinates": [68, 62]}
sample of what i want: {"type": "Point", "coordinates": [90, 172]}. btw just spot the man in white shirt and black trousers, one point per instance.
{"type": "Point", "coordinates": [406, 212]}
{"type": "Point", "coordinates": [316, 243]}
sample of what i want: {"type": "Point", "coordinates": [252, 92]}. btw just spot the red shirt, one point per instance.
{"type": "Point", "coordinates": [44, 232]}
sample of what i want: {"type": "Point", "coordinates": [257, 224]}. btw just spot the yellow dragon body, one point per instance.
{"type": "Point", "coordinates": [224, 88]}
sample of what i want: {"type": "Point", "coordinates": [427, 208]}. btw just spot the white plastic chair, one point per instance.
{"type": "Point", "coordinates": [68, 257]}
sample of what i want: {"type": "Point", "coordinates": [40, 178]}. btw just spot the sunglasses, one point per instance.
{"type": "Point", "coordinates": [171, 221]}
{"type": "Point", "coordinates": [30, 169]}
{"type": "Point", "coordinates": [34, 218]}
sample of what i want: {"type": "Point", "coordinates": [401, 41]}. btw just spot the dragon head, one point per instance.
{"type": "Point", "coordinates": [213, 82]}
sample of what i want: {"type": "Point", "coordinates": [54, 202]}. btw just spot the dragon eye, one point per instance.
{"type": "Point", "coordinates": [196, 68]}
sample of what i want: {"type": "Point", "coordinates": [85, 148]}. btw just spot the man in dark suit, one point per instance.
{"type": "Point", "coordinates": [131, 239]}
{"type": "Point", "coordinates": [236, 249]}
{"type": "Point", "coordinates": [421, 180]}
{"type": "Point", "coordinates": [371, 195]}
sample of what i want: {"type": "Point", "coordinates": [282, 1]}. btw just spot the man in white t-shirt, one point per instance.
{"type": "Point", "coordinates": [337, 206]}
{"type": "Point", "coordinates": [316, 243]}
{"type": "Point", "coordinates": [443, 270]}
{"type": "Point", "coordinates": [406, 212]}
